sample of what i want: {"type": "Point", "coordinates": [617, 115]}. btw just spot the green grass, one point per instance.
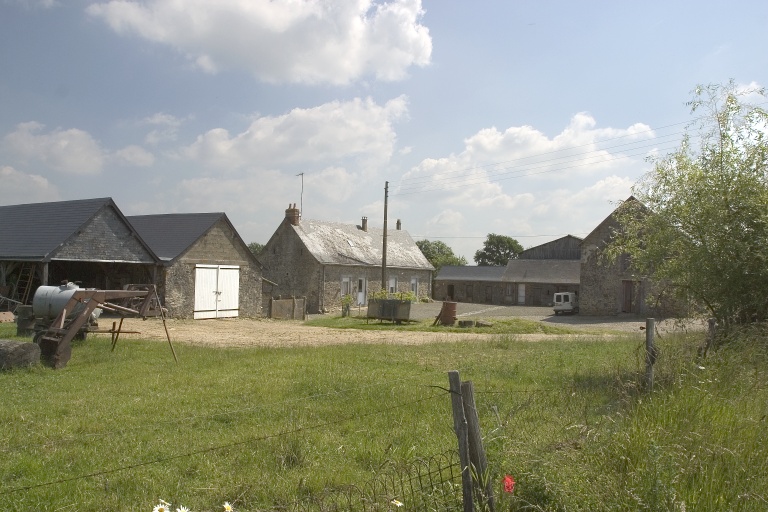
{"type": "Point", "coordinates": [506, 326]}
{"type": "Point", "coordinates": [262, 427]}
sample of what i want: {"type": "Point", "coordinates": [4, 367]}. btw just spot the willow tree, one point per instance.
{"type": "Point", "coordinates": [701, 220]}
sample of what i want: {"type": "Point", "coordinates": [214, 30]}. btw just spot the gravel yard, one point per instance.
{"type": "Point", "coordinates": [241, 332]}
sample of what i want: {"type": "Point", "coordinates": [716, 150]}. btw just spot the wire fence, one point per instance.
{"type": "Point", "coordinates": [523, 426]}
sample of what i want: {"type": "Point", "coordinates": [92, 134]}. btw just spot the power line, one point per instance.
{"type": "Point", "coordinates": [521, 167]}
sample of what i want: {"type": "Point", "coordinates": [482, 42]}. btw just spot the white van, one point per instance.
{"type": "Point", "coordinates": [565, 302]}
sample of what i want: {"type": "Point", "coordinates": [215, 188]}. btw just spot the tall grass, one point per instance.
{"type": "Point", "coordinates": [261, 428]}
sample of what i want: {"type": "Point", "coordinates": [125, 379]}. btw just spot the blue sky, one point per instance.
{"type": "Point", "coordinates": [522, 118]}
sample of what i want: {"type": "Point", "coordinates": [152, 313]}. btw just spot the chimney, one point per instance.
{"type": "Point", "coordinates": [365, 224]}
{"type": "Point", "coordinates": [293, 214]}
{"type": "Point", "coordinates": [399, 225]}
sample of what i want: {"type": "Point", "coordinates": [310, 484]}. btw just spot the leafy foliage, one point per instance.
{"type": "Point", "coordinates": [256, 248]}
{"type": "Point", "coordinates": [703, 222]}
{"type": "Point", "coordinates": [498, 250]}
{"type": "Point", "coordinates": [439, 254]}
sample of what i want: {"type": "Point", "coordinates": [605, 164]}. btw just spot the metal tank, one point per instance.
{"type": "Point", "coordinates": [49, 301]}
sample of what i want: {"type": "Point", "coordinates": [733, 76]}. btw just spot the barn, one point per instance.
{"type": "Point", "coordinates": [198, 261]}
{"type": "Point", "coordinates": [86, 241]}
{"type": "Point", "coordinates": [207, 269]}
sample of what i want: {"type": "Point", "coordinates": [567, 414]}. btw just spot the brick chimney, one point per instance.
{"type": "Point", "coordinates": [364, 224]}
{"type": "Point", "coordinates": [399, 225]}
{"type": "Point", "coordinates": [293, 214]}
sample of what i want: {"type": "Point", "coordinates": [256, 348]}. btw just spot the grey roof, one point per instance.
{"type": "Point", "coordinates": [334, 243]}
{"type": "Point", "coordinates": [543, 271]}
{"type": "Point", "coordinates": [34, 231]}
{"type": "Point", "coordinates": [470, 273]}
{"type": "Point", "coordinates": [170, 235]}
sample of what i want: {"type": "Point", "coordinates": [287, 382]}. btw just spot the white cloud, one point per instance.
{"type": "Point", "coordinates": [135, 156]}
{"type": "Point", "coordinates": [521, 183]}
{"type": "Point", "coordinates": [326, 41]}
{"type": "Point", "coordinates": [328, 133]}
{"type": "Point", "coordinates": [18, 187]}
{"type": "Point", "coordinates": [165, 129]}
{"type": "Point", "coordinates": [492, 158]}
{"type": "Point", "coordinates": [70, 151]}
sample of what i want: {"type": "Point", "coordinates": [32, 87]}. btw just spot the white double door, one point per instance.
{"type": "Point", "coordinates": [217, 289]}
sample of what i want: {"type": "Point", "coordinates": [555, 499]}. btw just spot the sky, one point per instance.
{"type": "Point", "coordinates": [530, 119]}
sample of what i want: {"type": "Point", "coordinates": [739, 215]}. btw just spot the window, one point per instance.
{"type": "Point", "coordinates": [346, 286]}
{"type": "Point", "coordinates": [392, 285]}
{"type": "Point", "coordinates": [415, 286]}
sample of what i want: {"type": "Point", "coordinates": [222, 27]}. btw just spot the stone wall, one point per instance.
{"type": "Point", "coordinates": [220, 246]}
{"type": "Point", "coordinates": [609, 287]}
{"type": "Point", "coordinates": [289, 264]}
{"type": "Point", "coordinates": [105, 238]}
{"type": "Point", "coordinates": [334, 275]}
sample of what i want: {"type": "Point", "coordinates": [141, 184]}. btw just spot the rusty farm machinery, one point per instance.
{"type": "Point", "coordinates": [65, 312]}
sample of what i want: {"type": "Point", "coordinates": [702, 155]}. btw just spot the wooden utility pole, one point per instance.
{"type": "Point", "coordinates": [384, 241]}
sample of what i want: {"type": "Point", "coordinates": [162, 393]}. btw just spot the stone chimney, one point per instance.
{"type": "Point", "coordinates": [399, 225]}
{"type": "Point", "coordinates": [364, 224]}
{"type": "Point", "coordinates": [293, 214]}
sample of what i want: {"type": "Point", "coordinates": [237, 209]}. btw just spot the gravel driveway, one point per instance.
{"type": "Point", "coordinates": [240, 332]}
{"type": "Point", "coordinates": [465, 311]}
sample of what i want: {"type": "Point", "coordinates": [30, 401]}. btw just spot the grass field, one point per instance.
{"type": "Point", "coordinates": [262, 428]}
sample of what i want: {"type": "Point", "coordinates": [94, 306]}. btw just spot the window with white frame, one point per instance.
{"type": "Point", "coordinates": [346, 286]}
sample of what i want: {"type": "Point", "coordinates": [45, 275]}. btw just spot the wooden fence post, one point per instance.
{"type": "Point", "coordinates": [650, 352]}
{"type": "Point", "coordinates": [461, 429]}
{"type": "Point", "coordinates": [477, 456]}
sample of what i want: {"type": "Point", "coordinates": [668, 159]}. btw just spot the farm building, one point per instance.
{"type": "Point", "coordinates": [324, 261]}
{"type": "Point", "coordinates": [564, 248]}
{"type": "Point", "coordinates": [531, 279]}
{"type": "Point", "coordinates": [464, 283]}
{"type": "Point", "coordinates": [90, 242]}
{"type": "Point", "coordinates": [534, 282]}
{"type": "Point", "coordinates": [207, 269]}
{"type": "Point", "coordinates": [87, 241]}
{"type": "Point", "coordinates": [611, 287]}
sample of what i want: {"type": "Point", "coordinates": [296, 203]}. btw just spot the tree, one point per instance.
{"type": "Point", "coordinates": [497, 250]}
{"type": "Point", "coordinates": [439, 254]}
{"type": "Point", "coordinates": [256, 248]}
{"type": "Point", "coordinates": [701, 223]}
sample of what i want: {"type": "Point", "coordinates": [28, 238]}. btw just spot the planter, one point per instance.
{"type": "Point", "coordinates": [394, 310]}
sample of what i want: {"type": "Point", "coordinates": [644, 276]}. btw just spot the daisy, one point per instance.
{"type": "Point", "coordinates": [396, 503]}
{"type": "Point", "coordinates": [182, 509]}
{"type": "Point", "coordinates": [161, 507]}
{"type": "Point", "coordinates": [228, 507]}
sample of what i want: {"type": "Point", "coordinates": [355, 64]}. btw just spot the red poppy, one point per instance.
{"type": "Point", "coordinates": [509, 483]}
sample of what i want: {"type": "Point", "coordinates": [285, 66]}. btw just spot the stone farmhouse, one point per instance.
{"type": "Point", "coordinates": [325, 261]}
{"type": "Point", "coordinates": [91, 242]}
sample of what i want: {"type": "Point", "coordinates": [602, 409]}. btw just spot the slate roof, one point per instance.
{"type": "Point", "coordinates": [470, 273]}
{"type": "Point", "coordinates": [333, 243]}
{"type": "Point", "coordinates": [170, 235]}
{"type": "Point", "coordinates": [543, 271]}
{"type": "Point", "coordinates": [32, 232]}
